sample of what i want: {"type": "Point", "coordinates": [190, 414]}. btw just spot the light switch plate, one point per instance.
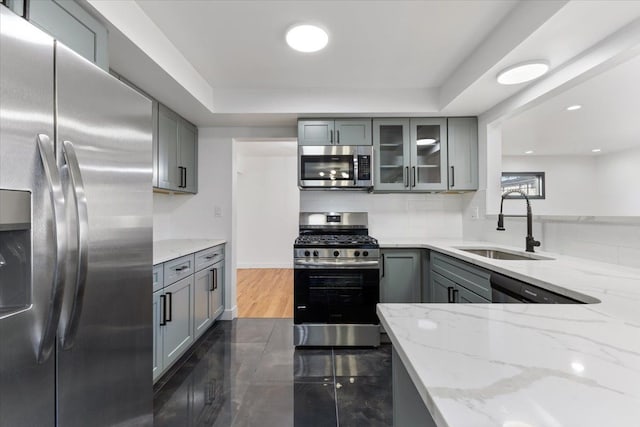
{"type": "Point", "coordinates": [217, 211]}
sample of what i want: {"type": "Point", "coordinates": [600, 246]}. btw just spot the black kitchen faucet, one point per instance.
{"type": "Point", "coordinates": [530, 241]}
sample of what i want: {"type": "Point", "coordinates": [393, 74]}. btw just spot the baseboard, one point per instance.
{"type": "Point", "coordinates": [230, 314]}
{"type": "Point", "coordinates": [274, 265]}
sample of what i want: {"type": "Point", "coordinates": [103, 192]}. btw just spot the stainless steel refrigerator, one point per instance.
{"type": "Point", "coordinates": [75, 238]}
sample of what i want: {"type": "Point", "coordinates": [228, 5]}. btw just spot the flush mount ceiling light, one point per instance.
{"type": "Point", "coordinates": [574, 107]}
{"type": "Point", "coordinates": [307, 38]}
{"type": "Point", "coordinates": [426, 141]}
{"type": "Point", "coordinates": [596, 150]}
{"type": "Point", "coordinates": [528, 152]}
{"type": "Point", "coordinates": [522, 72]}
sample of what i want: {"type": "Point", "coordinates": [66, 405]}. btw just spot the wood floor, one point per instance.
{"type": "Point", "coordinates": [265, 292]}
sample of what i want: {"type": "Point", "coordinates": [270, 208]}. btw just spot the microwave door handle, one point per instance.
{"type": "Point", "coordinates": [47, 342]}
{"type": "Point", "coordinates": [82, 216]}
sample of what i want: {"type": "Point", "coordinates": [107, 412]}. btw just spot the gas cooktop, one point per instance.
{"type": "Point", "coordinates": [336, 240]}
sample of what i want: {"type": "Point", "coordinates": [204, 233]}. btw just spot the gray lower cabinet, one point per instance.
{"type": "Point", "coordinates": [157, 334]}
{"type": "Point", "coordinates": [400, 278]}
{"type": "Point", "coordinates": [177, 334]}
{"type": "Point", "coordinates": [456, 281]}
{"type": "Point", "coordinates": [185, 304]}
{"type": "Point", "coordinates": [462, 148]}
{"type": "Point", "coordinates": [68, 22]}
{"type": "Point", "coordinates": [177, 152]}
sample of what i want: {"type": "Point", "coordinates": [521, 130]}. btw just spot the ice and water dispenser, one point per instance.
{"type": "Point", "coordinates": [15, 251]}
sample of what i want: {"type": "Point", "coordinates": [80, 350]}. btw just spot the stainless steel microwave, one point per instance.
{"type": "Point", "coordinates": [331, 166]}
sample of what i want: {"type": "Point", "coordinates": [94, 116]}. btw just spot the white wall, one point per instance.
{"type": "Point", "coordinates": [394, 215]}
{"type": "Point", "coordinates": [267, 204]}
{"type": "Point", "coordinates": [570, 184]}
{"type": "Point", "coordinates": [618, 180]}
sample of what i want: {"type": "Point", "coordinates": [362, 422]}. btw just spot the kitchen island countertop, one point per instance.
{"type": "Point", "coordinates": [525, 365]}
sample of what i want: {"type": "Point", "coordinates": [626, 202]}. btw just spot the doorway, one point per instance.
{"type": "Point", "coordinates": [267, 204]}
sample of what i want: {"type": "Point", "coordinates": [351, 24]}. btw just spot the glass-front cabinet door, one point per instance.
{"type": "Point", "coordinates": [391, 154]}
{"type": "Point", "coordinates": [428, 154]}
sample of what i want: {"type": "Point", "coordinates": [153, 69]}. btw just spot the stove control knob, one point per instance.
{"type": "Point", "coordinates": [315, 253]}
{"type": "Point", "coordinates": [306, 253]}
{"type": "Point", "coordinates": [365, 253]}
{"type": "Point", "coordinates": [357, 253]}
{"type": "Point", "coordinates": [336, 253]}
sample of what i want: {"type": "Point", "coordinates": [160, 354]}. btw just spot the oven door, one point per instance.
{"type": "Point", "coordinates": [334, 296]}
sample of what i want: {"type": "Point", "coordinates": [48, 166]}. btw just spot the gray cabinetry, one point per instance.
{"type": "Point", "coordinates": [177, 334]}
{"type": "Point", "coordinates": [187, 299]}
{"type": "Point", "coordinates": [177, 152]}
{"type": "Point", "coordinates": [463, 153]}
{"type": "Point", "coordinates": [157, 333]}
{"type": "Point", "coordinates": [68, 22]}
{"type": "Point", "coordinates": [410, 154]}
{"type": "Point", "coordinates": [457, 281]}
{"type": "Point", "coordinates": [334, 132]}
{"type": "Point", "coordinates": [400, 280]}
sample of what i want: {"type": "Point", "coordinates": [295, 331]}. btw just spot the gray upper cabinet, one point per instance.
{"type": "Point", "coordinates": [188, 156]}
{"type": "Point", "coordinates": [463, 153]}
{"type": "Point", "coordinates": [410, 154]}
{"type": "Point", "coordinates": [69, 23]}
{"type": "Point", "coordinates": [428, 154]}
{"type": "Point", "coordinates": [400, 280]}
{"type": "Point", "coordinates": [391, 154]}
{"type": "Point", "coordinates": [177, 152]}
{"type": "Point", "coordinates": [334, 132]}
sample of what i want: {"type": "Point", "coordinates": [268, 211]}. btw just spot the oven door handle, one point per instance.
{"type": "Point", "coordinates": [336, 264]}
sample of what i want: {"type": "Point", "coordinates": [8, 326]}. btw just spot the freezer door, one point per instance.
{"type": "Point", "coordinates": [27, 388]}
{"type": "Point", "coordinates": [104, 151]}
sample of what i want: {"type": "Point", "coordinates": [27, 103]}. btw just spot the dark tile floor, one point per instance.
{"type": "Point", "coordinates": [246, 373]}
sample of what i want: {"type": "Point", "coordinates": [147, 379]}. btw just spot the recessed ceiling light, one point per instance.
{"type": "Point", "coordinates": [577, 367]}
{"type": "Point", "coordinates": [528, 152]}
{"type": "Point", "coordinates": [574, 107]}
{"type": "Point", "coordinates": [307, 38]}
{"type": "Point", "coordinates": [596, 150]}
{"type": "Point", "coordinates": [522, 72]}
{"type": "Point", "coordinates": [426, 141]}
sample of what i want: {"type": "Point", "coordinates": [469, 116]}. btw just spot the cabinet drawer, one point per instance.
{"type": "Point", "coordinates": [178, 268]}
{"type": "Point", "coordinates": [158, 277]}
{"type": "Point", "coordinates": [472, 278]}
{"type": "Point", "coordinates": [209, 256]}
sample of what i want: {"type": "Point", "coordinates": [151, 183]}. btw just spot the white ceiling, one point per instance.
{"type": "Point", "coordinates": [230, 65]}
{"type": "Point", "coordinates": [609, 118]}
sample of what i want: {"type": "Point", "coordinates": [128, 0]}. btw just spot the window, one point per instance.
{"type": "Point", "coordinates": [530, 183]}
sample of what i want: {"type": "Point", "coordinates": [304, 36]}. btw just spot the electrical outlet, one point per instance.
{"type": "Point", "coordinates": [217, 211]}
{"type": "Point", "coordinates": [475, 213]}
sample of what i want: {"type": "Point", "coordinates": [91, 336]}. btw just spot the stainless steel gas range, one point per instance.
{"type": "Point", "coordinates": [336, 281]}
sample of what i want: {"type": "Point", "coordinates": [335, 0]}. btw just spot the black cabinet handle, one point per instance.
{"type": "Point", "coordinates": [331, 136]}
{"type": "Point", "coordinates": [184, 267]}
{"type": "Point", "coordinates": [182, 169]}
{"type": "Point", "coordinates": [213, 280]}
{"type": "Point", "coordinates": [170, 310]}
{"type": "Point", "coordinates": [455, 296]}
{"type": "Point", "coordinates": [414, 176]}
{"type": "Point", "coordinates": [185, 177]}
{"type": "Point", "coordinates": [449, 289]}
{"type": "Point", "coordinates": [406, 176]}
{"type": "Point", "coordinates": [337, 137]}
{"type": "Point", "coordinates": [453, 176]}
{"type": "Point", "coordinates": [163, 316]}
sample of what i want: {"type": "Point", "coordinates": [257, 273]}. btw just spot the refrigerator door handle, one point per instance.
{"type": "Point", "coordinates": [80, 199]}
{"type": "Point", "coordinates": [47, 155]}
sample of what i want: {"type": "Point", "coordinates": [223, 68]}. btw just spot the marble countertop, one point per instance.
{"type": "Point", "coordinates": [526, 365]}
{"type": "Point", "coordinates": [166, 250]}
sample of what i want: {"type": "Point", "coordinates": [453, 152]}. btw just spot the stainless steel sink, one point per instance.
{"type": "Point", "coordinates": [504, 254]}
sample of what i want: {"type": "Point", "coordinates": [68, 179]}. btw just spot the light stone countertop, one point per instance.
{"type": "Point", "coordinates": [526, 365]}
{"type": "Point", "coordinates": [166, 250]}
